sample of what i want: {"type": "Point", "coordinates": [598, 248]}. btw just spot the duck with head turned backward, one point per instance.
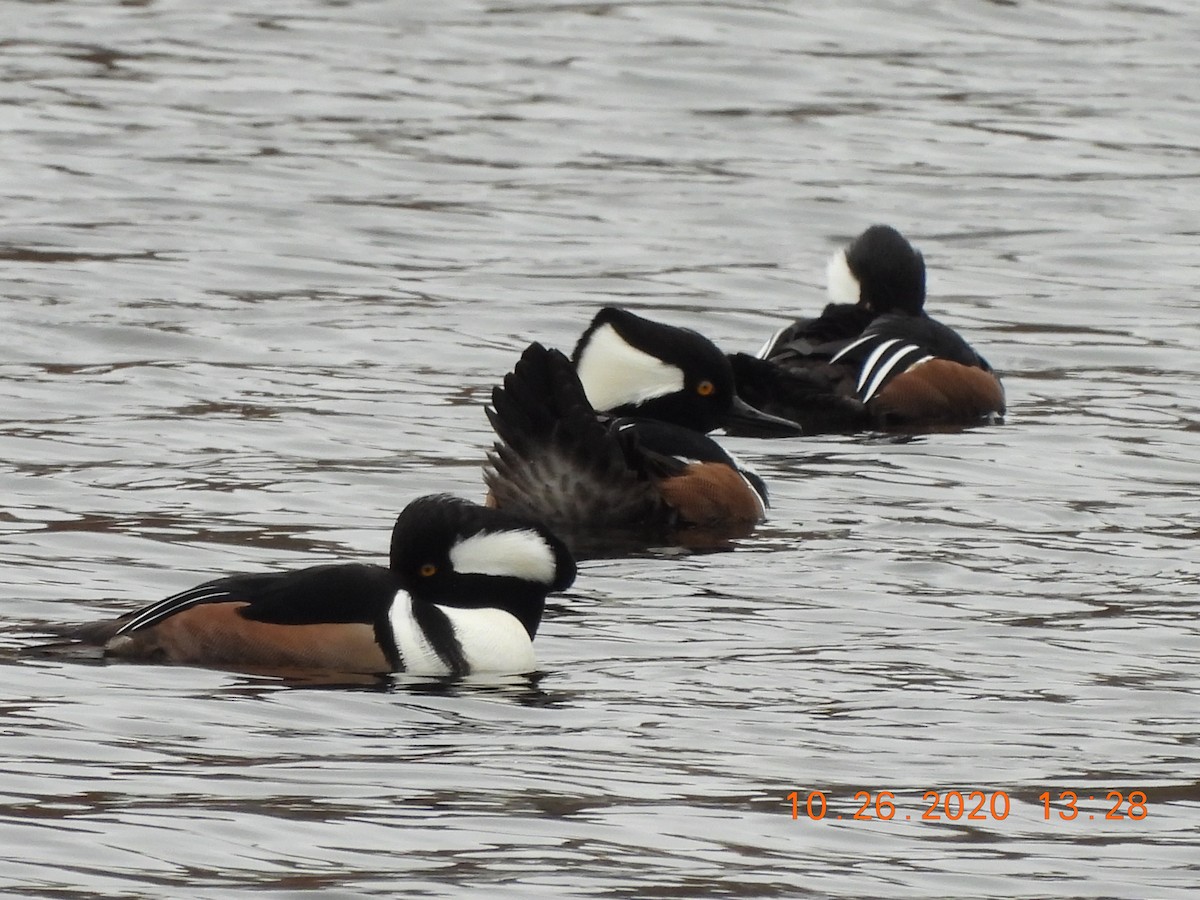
{"type": "Point", "coordinates": [873, 359]}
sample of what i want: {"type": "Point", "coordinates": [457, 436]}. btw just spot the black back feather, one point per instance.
{"type": "Point", "coordinates": [555, 459]}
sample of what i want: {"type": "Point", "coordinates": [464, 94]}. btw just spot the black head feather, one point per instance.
{"type": "Point", "coordinates": [890, 271]}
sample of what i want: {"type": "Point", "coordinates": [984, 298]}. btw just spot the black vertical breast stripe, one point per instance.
{"type": "Point", "coordinates": [440, 632]}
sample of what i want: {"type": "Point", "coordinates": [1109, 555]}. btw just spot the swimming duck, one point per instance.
{"type": "Point", "coordinates": [614, 439]}
{"type": "Point", "coordinates": [874, 359]}
{"type": "Point", "coordinates": [463, 594]}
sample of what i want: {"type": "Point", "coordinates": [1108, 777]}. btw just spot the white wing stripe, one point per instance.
{"type": "Point", "coordinates": [770, 344]}
{"type": "Point", "coordinates": [855, 345]}
{"type": "Point", "coordinates": [173, 604]}
{"type": "Point", "coordinates": [888, 365]}
{"type": "Point", "coordinates": [875, 356]}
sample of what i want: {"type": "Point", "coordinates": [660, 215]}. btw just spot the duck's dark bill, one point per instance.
{"type": "Point", "coordinates": [744, 419]}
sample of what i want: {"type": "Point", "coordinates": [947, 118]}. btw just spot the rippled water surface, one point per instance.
{"type": "Point", "coordinates": [261, 264]}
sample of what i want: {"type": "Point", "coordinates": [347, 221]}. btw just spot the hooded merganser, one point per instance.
{"type": "Point", "coordinates": [616, 441]}
{"type": "Point", "coordinates": [463, 594]}
{"type": "Point", "coordinates": [873, 359]}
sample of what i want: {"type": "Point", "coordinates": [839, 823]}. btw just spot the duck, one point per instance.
{"type": "Point", "coordinates": [615, 438]}
{"type": "Point", "coordinates": [463, 594]}
{"type": "Point", "coordinates": [874, 359]}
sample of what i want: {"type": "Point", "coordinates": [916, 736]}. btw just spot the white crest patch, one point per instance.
{"type": "Point", "coordinates": [614, 373]}
{"type": "Point", "coordinates": [491, 639]}
{"type": "Point", "coordinates": [517, 554]}
{"type": "Point", "coordinates": [416, 653]}
{"type": "Point", "coordinates": [840, 282]}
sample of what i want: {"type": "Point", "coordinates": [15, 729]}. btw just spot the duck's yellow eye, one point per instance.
{"type": "Point", "coordinates": [427, 570]}
{"type": "Point", "coordinates": [705, 388]}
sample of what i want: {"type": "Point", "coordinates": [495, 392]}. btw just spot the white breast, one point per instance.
{"type": "Point", "coordinates": [416, 652]}
{"type": "Point", "coordinates": [492, 640]}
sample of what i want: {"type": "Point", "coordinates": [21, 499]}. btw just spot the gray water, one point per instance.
{"type": "Point", "coordinates": [263, 262]}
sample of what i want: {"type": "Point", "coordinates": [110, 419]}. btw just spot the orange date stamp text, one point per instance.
{"type": "Point", "coordinates": [971, 806]}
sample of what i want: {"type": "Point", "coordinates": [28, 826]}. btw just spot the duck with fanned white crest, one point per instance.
{"type": "Point", "coordinates": [463, 594]}
{"type": "Point", "coordinates": [873, 359]}
{"type": "Point", "coordinates": [615, 440]}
